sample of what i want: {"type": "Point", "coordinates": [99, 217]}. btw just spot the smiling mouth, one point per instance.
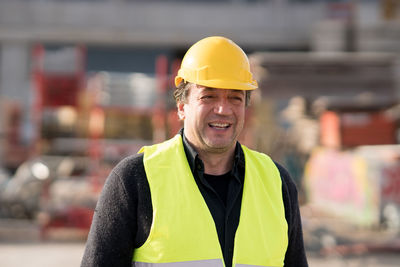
{"type": "Point", "coordinates": [218, 125]}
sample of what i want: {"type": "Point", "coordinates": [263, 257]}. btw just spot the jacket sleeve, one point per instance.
{"type": "Point", "coordinates": [295, 253]}
{"type": "Point", "coordinates": [113, 232]}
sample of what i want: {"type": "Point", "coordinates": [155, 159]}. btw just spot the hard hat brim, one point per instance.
{"type": "Point", "coordinates": [221, 84]}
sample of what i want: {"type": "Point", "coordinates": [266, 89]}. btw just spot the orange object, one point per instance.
{"type": "Point", "coordinates": [350, 129]}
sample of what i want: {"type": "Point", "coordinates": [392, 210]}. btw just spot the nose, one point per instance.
{"type": "Point", "coordinates": [222, 107]}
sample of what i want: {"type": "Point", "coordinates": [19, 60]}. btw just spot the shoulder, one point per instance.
{"type": "Point", "coordinates": [130, 172]}
{"type": "Point", "coordinates": [289, 194]}
{"type": "Point", "coordinates": [129, 165]}
{"type": "Point", "coordinates": [286, 178]}
{"type": "Point", "coordinates": [289, 189]}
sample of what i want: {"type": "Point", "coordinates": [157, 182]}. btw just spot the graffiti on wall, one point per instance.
{"type": "Point", "coordinates": [337, 182]}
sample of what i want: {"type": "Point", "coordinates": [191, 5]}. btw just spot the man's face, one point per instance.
{"type": "Point", "coordinates": [213, 118]}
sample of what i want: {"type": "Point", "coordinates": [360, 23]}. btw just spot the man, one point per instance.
{"type": "Point", "coordinates": [200, 198]}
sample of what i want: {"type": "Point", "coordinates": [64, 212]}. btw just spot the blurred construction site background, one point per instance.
{"type": "Point", "coordinates": [85, 83]}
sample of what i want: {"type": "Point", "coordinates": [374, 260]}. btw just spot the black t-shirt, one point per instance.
{"type": "Point", "coordinates": [219, 184]}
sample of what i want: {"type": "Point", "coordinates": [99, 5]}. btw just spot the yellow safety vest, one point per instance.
{"type": "Point", "coordinates": [183, 232]}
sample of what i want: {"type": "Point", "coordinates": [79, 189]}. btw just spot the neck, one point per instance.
{"type": "Point", "coordinates": [217, 163]}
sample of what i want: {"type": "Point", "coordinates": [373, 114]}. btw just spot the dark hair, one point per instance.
{"type": "Point", "coordinates": [182, 90]}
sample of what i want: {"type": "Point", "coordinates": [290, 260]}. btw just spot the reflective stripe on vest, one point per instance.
{"type": "Point", "coordinates": [183, 230]}
{"type": "Point", "coordinates": [208, 263]}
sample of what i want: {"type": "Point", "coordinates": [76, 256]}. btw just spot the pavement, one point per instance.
{"type": "Point", "coordinates": [41, 254]}
{"type": "Point", "coordinates": [21, 244]}
{"type": "Point", "coordinates": [69, 254]}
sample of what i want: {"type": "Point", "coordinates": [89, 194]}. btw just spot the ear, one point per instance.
{"type": "Point", "coordinates": [181, 110]}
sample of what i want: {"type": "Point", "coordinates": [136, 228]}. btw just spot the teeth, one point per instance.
{"type": "Point", "coordinates": [219, 125]}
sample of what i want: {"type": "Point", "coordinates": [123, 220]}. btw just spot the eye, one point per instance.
{"type": "Point", "coordinates": [237, 99]}
{"type": "Point", "coordinates": [207, 97]}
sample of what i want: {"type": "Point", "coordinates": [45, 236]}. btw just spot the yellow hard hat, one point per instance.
{"type": "Point", "coordinates": [216, 62]}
